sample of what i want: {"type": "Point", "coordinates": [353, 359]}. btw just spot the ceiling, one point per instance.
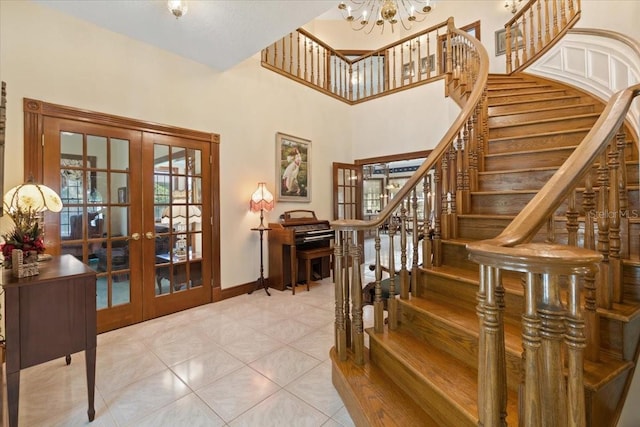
{"type": "Point", "coordinates": [217, 33]}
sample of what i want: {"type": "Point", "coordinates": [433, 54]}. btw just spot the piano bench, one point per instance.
{"type": "Point", "coordinates": [309, 255]}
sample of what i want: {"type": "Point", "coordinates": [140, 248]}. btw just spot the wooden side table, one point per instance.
{"type": "Point", "coordinates": [48, 316]}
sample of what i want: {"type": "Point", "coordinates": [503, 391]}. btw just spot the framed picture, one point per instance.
{"type": "Point", "coordinates": [501, 40]}
{"type": "Point", "coordinates": [293, 166]}
{"type": "Point", "coordinates": [428, 64]}
{"type": "Point", "coordinates": [408, 70]}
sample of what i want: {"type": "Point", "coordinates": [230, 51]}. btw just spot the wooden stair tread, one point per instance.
{"type": "Point", "coordinates": [520, 101]}
{"type": "Point", "coordinates": [435, 368]}
{"type": "Point", "coordinates": [545, 121]}
{"type": "Point", "coordinates": [510, 171]}
{"type": "Point", "coordinates": [625, 312]}
{"type": "Point", "coordinates": [511, 285]}
{"type": "Point", "coordinates": [376, 395]}
{"type": "Point", "coordinates": [551, 92]}
{"type": "Point", "coordinates": [543, 109]}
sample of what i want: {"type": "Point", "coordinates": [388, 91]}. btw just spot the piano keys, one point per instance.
{"type": "Point", "coordinates": [297, 230]}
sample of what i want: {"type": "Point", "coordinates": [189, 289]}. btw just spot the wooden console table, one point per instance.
{"type": "Point", "coordinates": [48, 316]}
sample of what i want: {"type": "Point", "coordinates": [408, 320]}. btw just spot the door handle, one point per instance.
{"type": "Point", "coordinates": [149, 235]}
{"type": "Point", "coordinates": [135, 236]}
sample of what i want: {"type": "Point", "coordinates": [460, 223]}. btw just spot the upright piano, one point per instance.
{"type": "Point", "coordinates": [297, 230]}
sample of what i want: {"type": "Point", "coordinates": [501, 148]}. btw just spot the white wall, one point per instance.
{"type": "Point", "coordinates": [58, 59]}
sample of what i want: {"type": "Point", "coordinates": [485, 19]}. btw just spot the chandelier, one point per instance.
{"type": "Point", "coordinates": [177, 7]}
{"type": "Point", "coordinates": [513, 4]}
{"type": "Point", "coordinates": [367, 14]}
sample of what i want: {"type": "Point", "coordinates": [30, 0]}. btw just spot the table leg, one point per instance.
{"type": "Point", "coordinates": [90, 357]}
{"type": "Point", "coordinates": [13, 394]}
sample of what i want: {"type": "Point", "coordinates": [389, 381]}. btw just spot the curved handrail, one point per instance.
{"type": "Point", "coordinates": [631, 42]}
{"type": "Point", "coordinates": [444, 144]}
{"type": "Point", "coordinates": [554, 192]}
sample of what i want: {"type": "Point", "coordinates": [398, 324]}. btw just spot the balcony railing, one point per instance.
{"type": "Point", "coordinates": [412, 61]}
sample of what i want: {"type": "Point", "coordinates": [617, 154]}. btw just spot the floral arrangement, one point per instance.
{"type": "Point", "coordinates": [26, 234]}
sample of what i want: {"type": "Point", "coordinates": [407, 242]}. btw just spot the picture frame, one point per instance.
{"type": "Point", "coordinates": [408, 70]}
{"type": "Point", "coordinates": [428, 64]}
{"type": "Point", "coordinates": [501, 40]}
{"type": "Point", "coordinates": [293, 168]}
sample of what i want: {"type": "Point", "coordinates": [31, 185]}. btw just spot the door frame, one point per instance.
{"type": "Point", "coordinates": [35, 112]}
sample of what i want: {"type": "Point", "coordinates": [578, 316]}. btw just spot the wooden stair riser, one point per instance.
{"type": "Point", "coordinates": [601, 404]}
{"type": "Point", "coordinates": [515, 180]}
{"type": "Point", "coordinates": [516, 89]}
{"type": "Point", "coordinates": [545, 113]}
{"type": "Point", "coordinates": [617, 334]}
{"type": "Point", "coordinates": [456, 255]}
{"type": "Point", "coordinates": [547, 125]}
{"type": "Point", "coordinates": [527, 105]}
{"type": "Point", "coordinates": [437, 405]}
{"type": "Point", "coordinates": [528, 159]}
{"type": "Point", "coordinates": [631, 278]}
{"type": "Point", "coordinates": [530, 179]}
{"type": "Point", "coordinates": [460, 343]}
{"type": "Point", "coordinates": [465, 292]}
{"type": "Point", "coordinates": [506, 203]}
{"type": "Point", "coordinates": [532, 142]}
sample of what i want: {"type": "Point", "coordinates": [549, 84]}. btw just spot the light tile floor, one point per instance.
{"type": "Point", "coordinates": [252, 360]}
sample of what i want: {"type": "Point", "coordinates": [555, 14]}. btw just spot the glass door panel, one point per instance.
{"type": "Point", "coordinates": [95, 223]}
{"type": "Point", "coordinates": [178, 212]}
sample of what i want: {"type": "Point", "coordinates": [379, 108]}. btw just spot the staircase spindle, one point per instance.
{"type": "Point", "coordinates": [404, 272]}
{"type": "Point", "coordinates": [621, 140]}
{"type": "Point", "coordinates": [615, 263]}
{"type": "Point", "coordinates": [547, 26]}
{"type": "Point", "coordinates": [378, 306]}
{"type": "Point", "coordinates": [339, 260]}
{"type": "Point", "coordinates": [414, 234]}
{"type": "Point", "coordinates": [357, 334]}
{"type": "Point", "coordinates": [572, 221]}
{"type": "Point", "coordinates": [575, 341]}
{"type": "Point", "coordinates": [392, 303]}
{"type": "Point", "coordinates": [531, 341]}
{"type": "Point", "coordinates": [605, 292]}
{"type": "Point", "coordinates": [552, 329]}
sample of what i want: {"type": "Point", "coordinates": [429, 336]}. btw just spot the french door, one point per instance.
{"type": "Point", "coordinates": [135, 212]}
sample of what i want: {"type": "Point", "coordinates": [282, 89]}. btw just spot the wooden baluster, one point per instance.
{"type": "Point", "coordinates": [404, 272]}
{"type": "Point", "coordinates": [437, 211]}
{"type": "Point", "coordinates": [392, 302]}
{"type": "Point", "coordinates": [339, 259]}
{"type": "Point", "coordinates": [553, 392]}
{"type": "Point", "coordinates": [509, 50]}
{"type": "Point", "coordinates": [623, 195]}
{"type": "Point", "coordinates": [444, 197]}
{"type": "Point", "coordinates": [284, 54]}
{"type": "Point", "coordinates": [539, 26]}
{"type": "Point", "coordinates": [429, 70]}
{"type": "Point", "coordinates": [426, 241]}
{"type": "Point", "coordinates": [530, 403]}
{"type": "Point", "coordinates": [473, 166]}
{"type": "Point", "coordinates": [394, 68]}
{"type": "Point", "coordinates": [357, 327]}
{"type": "Point", "coordinates": [547, 33]}
{"type": "Point", "coordinates": [311, 80]}
{"type": "Point", "coordinates": [615, 263]}
{"type": "Point", "coordinates": [572, 221]}
{"type": "Point", "coordinates": [465, 197]}
{"type": "Point", "coordinates": [416, 242]}
{"type": "Point", "coordinates": [605, 293]}
{"type": "Point", "coordinates": [555, 18]}
{"type": "Point", "coordinates": [502, 359]}
{"type": "Point", "coordinates": [378, 306]}
{"type": "Point", "coordinates": [452, 191]}
{"type": "Point", "coordinates": [449, 68]}
{"type": "Point", "coordinates": [306, 41]}
{"type": "Point", "coordinates": [592, 319]}
{"type": "Point", "coordinates": [576, 342]}
{"type": "Point", "coordinates": [318, 76]}
{"type": "Point", "coordinates": [298, 55]}
{"type": "Point", "coordinates": [349, 82]}
{"type": "Point", "coordinates": [491, 394]}
{"type": "Point", "coordinates": [482, 350]}
{"type": "Point", "coordinates": [275, 54]}
{"type": "Point", "coordinates": [532, 38]}
{"type": "Point", "coordinates": [563, 14]}
{"type": "Point", "coordinates": [290, 53]}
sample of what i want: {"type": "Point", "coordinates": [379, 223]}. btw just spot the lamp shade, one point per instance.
{"type": "Point", "coordinates": [33, 197]}
{"type": "Point", "coordinates": [182, 214]}
{"type": "Point", "coordinates": [261, 199]}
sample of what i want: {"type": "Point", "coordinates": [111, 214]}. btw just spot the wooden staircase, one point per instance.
{"type": "Point", "coordinates": [425, 373]}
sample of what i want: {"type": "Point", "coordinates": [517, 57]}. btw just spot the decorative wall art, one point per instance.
{"type": "Point", "coordinates": [293, 158]}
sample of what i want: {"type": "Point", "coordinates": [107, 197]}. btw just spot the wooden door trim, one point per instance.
{"type": "Point", "coordinates": [35, 111]}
